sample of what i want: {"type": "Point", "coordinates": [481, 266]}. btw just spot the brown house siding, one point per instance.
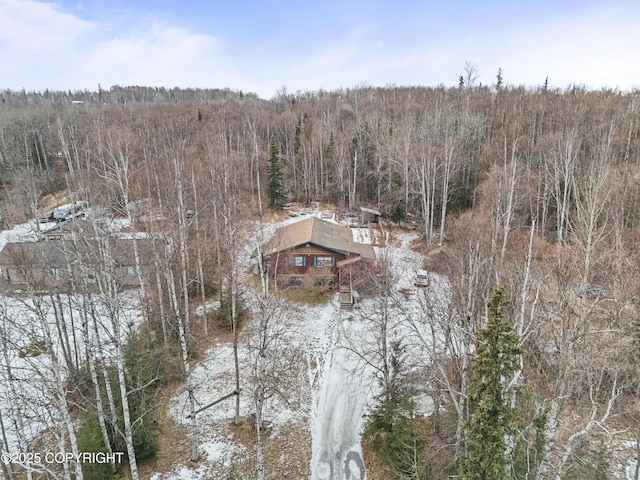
{"type": "Point", "coordinates": [282, 264]}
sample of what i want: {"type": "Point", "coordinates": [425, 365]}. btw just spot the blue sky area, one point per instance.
{"type": "Point", "coordinates": [262, 45]}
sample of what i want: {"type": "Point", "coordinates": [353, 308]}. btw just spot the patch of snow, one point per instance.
{"type": "Point", "coordinates": [424, 404]}
{"type": "Point", "coordinates": [219, 451]}
{"type": "Point", "coordinates": [339, 390]}
{"type": "Point", "coordinates": [135, 235]}
{"type": "Point", "coordinates": [361, 235]}
{"type": "Point", "coordinates": [218, 454]}
{"type": "Point", "coordinates": [630, 469]}
{"type": "Point", "coordinates": [26, 232]}
{"type": "Point", "coordinates": [345, 389]}
{"type": "Point", "coordinates": [117, 224]}
{"type": "Point", "coordinates": [212, 378]}
{"type": "Point", "coordinates": [185, 473]}
{"type": "Point", "coordinates": [206, 307]}
{"type": "Point", "coordinates": [33, 370]}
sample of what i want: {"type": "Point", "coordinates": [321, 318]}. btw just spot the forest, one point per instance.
{"type": "Point", "coordinates": [526, 200]}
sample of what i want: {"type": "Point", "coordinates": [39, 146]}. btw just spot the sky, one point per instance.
{"type": "Point", "coordinates": [262, 46]}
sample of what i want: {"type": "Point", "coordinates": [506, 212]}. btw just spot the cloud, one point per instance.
{"type": "Point", "coordinates": [43, 46]}
{"type": "Point", "coordinates": [159, 56]}
{"type": "Point", "coordinates": [346, 60]}
{"type": "Point", "coordinates": [33, 28]}
{"type": "Point", "coordinates": [592, 47]}
{"type": "Point", "coordinates": [32, 36]}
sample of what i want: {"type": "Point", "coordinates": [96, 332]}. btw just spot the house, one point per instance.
{"type": "Point", "coordinates": [317, 252]}
{"type": "Point", "coordinates": [58, 265]}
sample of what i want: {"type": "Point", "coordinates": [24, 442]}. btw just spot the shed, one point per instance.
{"type": "Point", "coordinates": [369, 215]}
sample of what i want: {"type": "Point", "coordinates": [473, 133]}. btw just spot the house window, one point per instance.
{"type": "Point", "coordinates": [324, 262]}
{"type": "Point", "coordinates": [128, 271]}
{"type": "Point", "coordinates": [296, 261]}
{"type": "Point", "coordinates": [54, 237]}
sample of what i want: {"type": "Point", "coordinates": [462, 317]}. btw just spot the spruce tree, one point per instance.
{"type": "Point", "coordinates": [393, 430]}
{"type": "Point", "coordinates": [499, 79]}
{"type": "Point", "coordinates": [491, 414]}
{"type": "Point", "coordinates": [275, 177]}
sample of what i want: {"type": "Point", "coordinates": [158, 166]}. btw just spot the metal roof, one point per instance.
{"type": "Point", "coordinates": [318, 232]}
{"type": "Point", "coordinates": [370, 210]}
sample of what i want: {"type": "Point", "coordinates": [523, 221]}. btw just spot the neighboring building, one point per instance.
{"type": "Point", "coordinates": [65, 230]}
{"type": "Point", "coordinates": [316, 252]}
{"type": "Point", "coordinates": [56, 265]}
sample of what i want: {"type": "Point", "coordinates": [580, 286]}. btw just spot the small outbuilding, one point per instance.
{"type": "Point", "coordinates": [369, 215]}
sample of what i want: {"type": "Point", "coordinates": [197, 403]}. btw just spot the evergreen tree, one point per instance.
{"type": "Point", "coordinates": [394, 431]}
{"type": "Point", "coordinates": [398, 212]}
{"type": "Point", "coordinates": [297, 142]}
{"type": "Point", "coordinates": [491, 414]}
{"type": "Point", "coordinates": [275, 191]}
{"type": "Point", "coordinates": [499, 79]}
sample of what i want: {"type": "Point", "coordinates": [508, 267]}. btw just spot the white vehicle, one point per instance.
{"type": "Point", "coordinates": [421, 279]}
{"type": "Point", "coordinates": [71, 210]}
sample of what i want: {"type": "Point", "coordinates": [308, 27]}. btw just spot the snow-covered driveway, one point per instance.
{"type": "Point", "coordinates": [345, 390]}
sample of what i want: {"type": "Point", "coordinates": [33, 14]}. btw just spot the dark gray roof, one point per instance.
{"type": "Point", "coordinates": [64, 252]}
{"type": "Point", "coordinates": [34, 254]}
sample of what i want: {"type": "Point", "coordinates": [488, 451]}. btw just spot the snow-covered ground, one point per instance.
{"type": "Point", "coordinates": [335, 392]}
{"type": "Point", "coordinates": [29, 372]}
{"type": "Point", "coordinates": [348, 383]}
{"type": "Point", "coordinates": [341, 401]}
{"type": "Point", "coordinates": [26, 232]}
{"type": "Point", "coordinates": [332, 396]}
{"type": "Point", "coordinates": [31, 231]}
{"type": "Point", "coordinates": [339, 388]}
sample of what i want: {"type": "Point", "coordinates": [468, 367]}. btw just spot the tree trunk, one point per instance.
{"type": "Point", "coordinates": [182, 337]}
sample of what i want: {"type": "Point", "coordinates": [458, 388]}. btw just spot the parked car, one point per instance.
{"type": "Point", "coordinates": [421, 279]}
{"type": "Point", "coordinates": [71, 210]}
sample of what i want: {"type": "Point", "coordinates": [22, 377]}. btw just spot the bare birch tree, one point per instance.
{"type": "Point", "coordinates": [273, 361]}
{"type": "Point", "coordinates": [560, 168]}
